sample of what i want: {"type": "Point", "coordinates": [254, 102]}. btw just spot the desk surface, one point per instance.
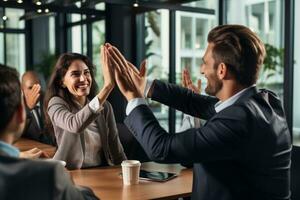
{"type": "Point", "coordinates": [107, 183]}
{"type": "Point", "coordinates": [24, 144]}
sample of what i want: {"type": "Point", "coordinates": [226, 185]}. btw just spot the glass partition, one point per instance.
{"type": "Point", "coordinates": [191, 41]}
{"type": "Point", "coordinates": [1, 48]}
{"type": "Point", "coordinates": [210, 4]}
{"type": "Point", "coordinates": [296, 100]}
{"type": "Point", "coordinates": [266, 19]}
{"type": "Point", "coordinates": [157, 54]}
{"type": "Point", "coordinates": [13, 18]}
{"type": "Point", "coordinates": [98, 29]}
{"type": "Point", "coordinates": [1, 18]}
{"type": "Point", "coordinates": [15, 51]}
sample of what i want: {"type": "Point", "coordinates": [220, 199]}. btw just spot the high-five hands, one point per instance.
{"type": "Point", "coordinates": [107, 69]}
{"type": "Point", "coordinates": [130, 81]}
{"type": "Point", "coordinates": [187, 82]}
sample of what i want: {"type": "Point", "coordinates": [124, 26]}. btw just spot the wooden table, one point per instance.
{"type": "Point", "coordinates": [107, 183]}
{"type": "Point", "coordinates": [24, 144]}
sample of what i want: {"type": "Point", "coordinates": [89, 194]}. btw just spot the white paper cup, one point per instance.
{"type": "Point", "coordinates": [131, 172]}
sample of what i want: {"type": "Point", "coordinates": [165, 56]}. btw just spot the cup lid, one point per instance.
{"type": "Point", "coordinates": [131, 163]}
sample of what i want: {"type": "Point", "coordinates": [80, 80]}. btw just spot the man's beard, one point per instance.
{"type": "Point", "coordinates": [215, 87]}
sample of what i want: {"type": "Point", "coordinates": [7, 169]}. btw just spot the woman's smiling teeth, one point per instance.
{"type": "Point", "coordinates": [82, 86]}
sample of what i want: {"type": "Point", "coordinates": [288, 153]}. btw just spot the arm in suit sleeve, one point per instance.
{"type": "Point", "coordinates": [115, 146]}
{"type": "Point", "coordinates": [221, 138]}
{"type": "Point", "coordinates": [185, 100]}
{"type": "Point", "coordinates": [61, 116]}
{"type": "Point", "coordinates": [65, 189]}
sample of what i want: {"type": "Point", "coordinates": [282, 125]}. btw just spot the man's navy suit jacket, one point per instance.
{"type": "Point", "coordinates": [242, 152]}
{"type": "Point", "coordinates": [32, 129]}
{"type": "Point", "coordinates": [25, 179]}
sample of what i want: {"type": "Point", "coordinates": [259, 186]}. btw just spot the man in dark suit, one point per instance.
{"type": "Point", "coordinates": [243, 151]}
{"type": "Point", "coordinates": [33, 96]}
{"type": "Point", "coordinates": [21, 178]}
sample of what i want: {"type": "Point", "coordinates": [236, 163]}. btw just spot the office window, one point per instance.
{"type": "Point", "coordinates": [1, 49]}
{"type": "Point", "coordinates": [13, 18]}
{"type": "Point", "coordinates": [12, 38]}
{"type": "Point", "coordinates": [296, 100]}
{"type": "Point", "coordinates": [43, 45]}
{"type": "Point", "coordinates": [157, 54]}
{"type": "Point", "coordinates": [265, 18]}
{"type": "Point", "coordinates": [98, 31]}
{"type": "Point", "coordinates": [15, 51]}
{"type": "Point", "coordinates": [1, 18]}
{"type": "Point", "coordinates": [77, 39]}
{"type": "Point", "coordinates": [75, 18]}
{"type": "Point", "coordinates": [52, 35]}
{"type": "Point", "coordinates": [100, 6]}
{"type": "Point", "coordinates": [210, 4]}
{"type": "Point", "coordinates": [191, 41]}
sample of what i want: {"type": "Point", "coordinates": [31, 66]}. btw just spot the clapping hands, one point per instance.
{"type": "Point", "coordinates": [187, 82]}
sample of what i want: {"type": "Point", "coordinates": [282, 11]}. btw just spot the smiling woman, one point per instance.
{"type": "Point", "coordinates": [82, 120]}
{"type": "Point", "coordinates": [78, 80]}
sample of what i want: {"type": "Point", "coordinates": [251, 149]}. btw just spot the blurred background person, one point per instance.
{"type": "Point", "coordinates": [33, 96]}
{"type": "Point", "coordinates": [189, 121]}
{"type": "Point", "coordinates": [82, 120]}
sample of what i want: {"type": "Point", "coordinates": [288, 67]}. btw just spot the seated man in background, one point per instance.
{"type": "Point", "coordinates": [43, 180]}
{"type": "Point", "coordinates": [33, 96]}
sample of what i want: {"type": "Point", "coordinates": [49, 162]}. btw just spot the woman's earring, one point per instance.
{"type": "Point", "coordinates": [63, 86]}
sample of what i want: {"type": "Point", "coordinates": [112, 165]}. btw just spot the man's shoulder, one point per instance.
{"type": "Point", "coordinates": [260, 103]}
{"type": "Point", "coordinates": [26, 167]}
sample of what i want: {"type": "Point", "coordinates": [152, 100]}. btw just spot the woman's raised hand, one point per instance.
{"type": "Point", "coordinates": [107, 69]}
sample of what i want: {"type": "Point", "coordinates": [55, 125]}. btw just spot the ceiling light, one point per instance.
{"type": "Point", "coordinates": [39, 10]}
{"type": "Point", "coordinates": [136, 4]}
{"type": "Point", "coordinates": [5, 0]}
{"type": "Point", "coordinates": [46, 10]}
{"type": "Point", "coordinates": [38, 3]}
{"type": "Point", "coordinates": [4, 18]}
{"type": "Point", "coordinates": [20, 1]}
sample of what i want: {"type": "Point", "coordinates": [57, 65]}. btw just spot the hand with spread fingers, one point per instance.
{"type": "Point", "coordinates": [131, 81]}
{"type": "Point", "coordinates": [32, 96]}
{"type": "Point", "coordinates": [187, 82]}
{"type": "Point", "coordinates": [107, 70]}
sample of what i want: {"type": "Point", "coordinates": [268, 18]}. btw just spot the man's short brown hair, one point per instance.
{"type": "Point", "coordinates": [240, 49]}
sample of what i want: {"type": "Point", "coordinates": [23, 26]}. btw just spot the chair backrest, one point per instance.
{"type": "Point", "coordinates": [132, 148]}
{"type": "Point", "coordinates": [295, 173]}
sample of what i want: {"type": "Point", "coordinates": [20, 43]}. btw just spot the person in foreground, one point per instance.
{"type": "Point", "coordinates": [24, 178]}
{"type": "Point", "coordinates": [83, 121]}
{"type": "Point", "coordinates": [244, 149]}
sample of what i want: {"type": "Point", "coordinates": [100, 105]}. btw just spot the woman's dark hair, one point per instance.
{"type": "Point", "coordinates": [54, 87]}
{"type": "Point", "coordinates": [240, 50]}
{"type": "Point", "coordinates": [10, 95]}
